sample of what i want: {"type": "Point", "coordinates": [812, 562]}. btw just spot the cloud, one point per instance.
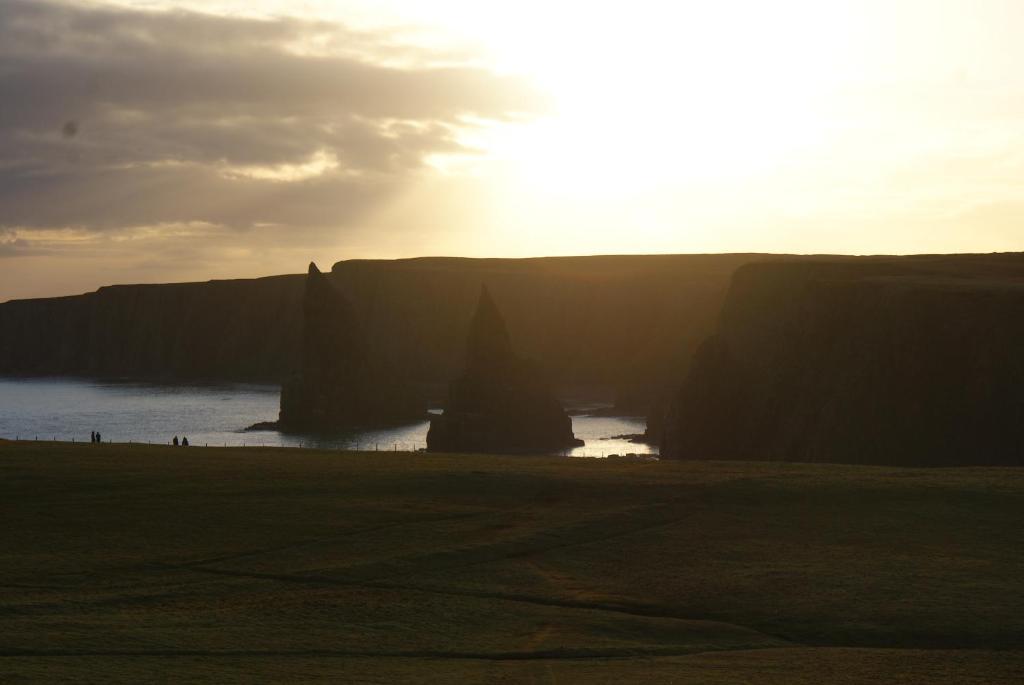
{"type": "Point", "coordinates": [10, 244]}
{"type": "Point", "coordinates": [116, 119]}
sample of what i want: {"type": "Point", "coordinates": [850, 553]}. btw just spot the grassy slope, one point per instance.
{"type": "Point", "coordinates": [235, 565]}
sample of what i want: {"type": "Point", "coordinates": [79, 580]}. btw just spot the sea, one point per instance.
{"type": "Point", "coordinates": [67, 409]}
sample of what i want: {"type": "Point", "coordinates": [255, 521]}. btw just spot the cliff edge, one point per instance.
{"type": "Point", "coordinates": [900, 362]}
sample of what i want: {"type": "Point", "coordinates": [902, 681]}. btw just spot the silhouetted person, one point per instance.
{"type": "Point", "coordinates": [92, 436]}
{"type": "Point", "coordinates": [98, 438]}
{"type": "Point", "coordinates": [184, 442]}
{"type": "Point", "coordinates": [175, 441]}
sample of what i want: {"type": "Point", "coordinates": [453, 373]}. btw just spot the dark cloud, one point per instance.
{"type": "Point", "coordinates": [114, 118]}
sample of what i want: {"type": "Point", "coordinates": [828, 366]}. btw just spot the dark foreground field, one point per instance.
{"type": "Point", "coordinates": [249, 565]}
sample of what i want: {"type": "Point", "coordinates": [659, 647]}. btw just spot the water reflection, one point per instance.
{"type": "Point", "coordinates": [68, 409]}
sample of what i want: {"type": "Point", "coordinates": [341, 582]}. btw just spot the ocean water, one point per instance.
{"type": "Point", "coordinates": [68, 409]}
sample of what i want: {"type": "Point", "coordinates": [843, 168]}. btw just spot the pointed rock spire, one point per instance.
{"type": "Point", "coordinates": [332, 344]}
{"type": "Point", "coordinates": [337, 385]}
{"type": "Point", "coordinates": [488, 345]}
{"type": "Point", "coordinates": [500, 403]}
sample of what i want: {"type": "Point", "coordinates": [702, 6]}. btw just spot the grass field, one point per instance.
{"type": "Point", "coordinates": [139, 564]}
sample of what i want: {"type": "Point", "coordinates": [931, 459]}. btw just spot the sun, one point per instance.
{"type": "Point", "coordinates": [666, 94]}
{"type": "Point", "coordinates": [643, 96]}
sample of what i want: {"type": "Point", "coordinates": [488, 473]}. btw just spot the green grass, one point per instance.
{"type": "Point", "coordinates": [224, 565]}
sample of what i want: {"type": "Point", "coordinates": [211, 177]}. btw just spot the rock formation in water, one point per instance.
{"type": "Point", "coordinates": [500, 403]}
{"type": "Point", "coordinates": [605, 322]}
{"type": "Point", "coordinates": [883, 362]}
{"type": "Point", "coordinates": [338, 385]}
{"type": "Point", "coordinates": [631, 322]}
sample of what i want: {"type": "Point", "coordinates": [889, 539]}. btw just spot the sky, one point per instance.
{"type": "Point", "coordinates": [159, 141]}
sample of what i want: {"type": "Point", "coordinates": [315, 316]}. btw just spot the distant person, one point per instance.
{"type": "Point", "coordinates": [98, 438]}
{"type": "Point", "coordinates": [184, 442]}
{"type": "Point", "coordinates": [175, 441]}
{"type": "Point", "coordinates": [92, 436]}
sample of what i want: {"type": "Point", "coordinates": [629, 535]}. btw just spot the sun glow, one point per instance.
{"type": "Point", "coordinates": [738, 125]}
{"type": "Point", "coordinates": [660, 116]}
{"type": "Point", "coordinates": [666, 94]}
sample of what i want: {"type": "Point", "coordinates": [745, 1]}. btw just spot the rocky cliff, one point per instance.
{"type": "Point", "coordinates": [339, 384]}
{"type": "Point", "coordinates": [244, 330]}
{"type": "Point", "coordinates": [885, 361]}
{"type": "Point", "coordinates": [500, 402]}
{"type": "Point", "coordinates": [626, 322]}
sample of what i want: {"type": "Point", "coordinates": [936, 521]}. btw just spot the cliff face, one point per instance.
{"type": "Point", "coordinates": [629, 322]}
{"type": "Point", "coordinates": [626, 322]}
{"type": "Point", "coordinates": [221, 330]}
{"type": "Point", "coordinates": [339, 385]}
{"type": "Point", "coordinates": [500, 403]}
{"type": "Point", "coordinates": [899, 361]}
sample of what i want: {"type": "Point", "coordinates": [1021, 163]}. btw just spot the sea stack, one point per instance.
{"type": "Point", "coordinates": [338, 385]}
{"type": "Point", "coordinates": [500, 403]}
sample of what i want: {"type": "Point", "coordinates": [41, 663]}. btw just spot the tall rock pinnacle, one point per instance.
{"type": "Point", "coordinates": [488, 346]}
{"type": "Point", "coordinates": [332, 346]}
{"type": "Point", "coordinates": [500, 402]}
{"type": "Point", "coordinates": [338, 387]}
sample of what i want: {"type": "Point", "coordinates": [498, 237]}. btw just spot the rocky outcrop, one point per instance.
{"type": "Point", "coordinates": [631, 322]}
{"type": "Point", "coordinates": [628, 321]}
{"type": "Point", "coordinates": [241, 330]}
{"type": "Point", "coordinates": [339, 385]}
{"type": "Point", "coordinates": [500, 403]}
{"type": "Point", "coordinates": [902, 361]}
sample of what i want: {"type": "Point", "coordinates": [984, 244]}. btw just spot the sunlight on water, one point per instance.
{"type": "Point", "coordinates": [68, 409]}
